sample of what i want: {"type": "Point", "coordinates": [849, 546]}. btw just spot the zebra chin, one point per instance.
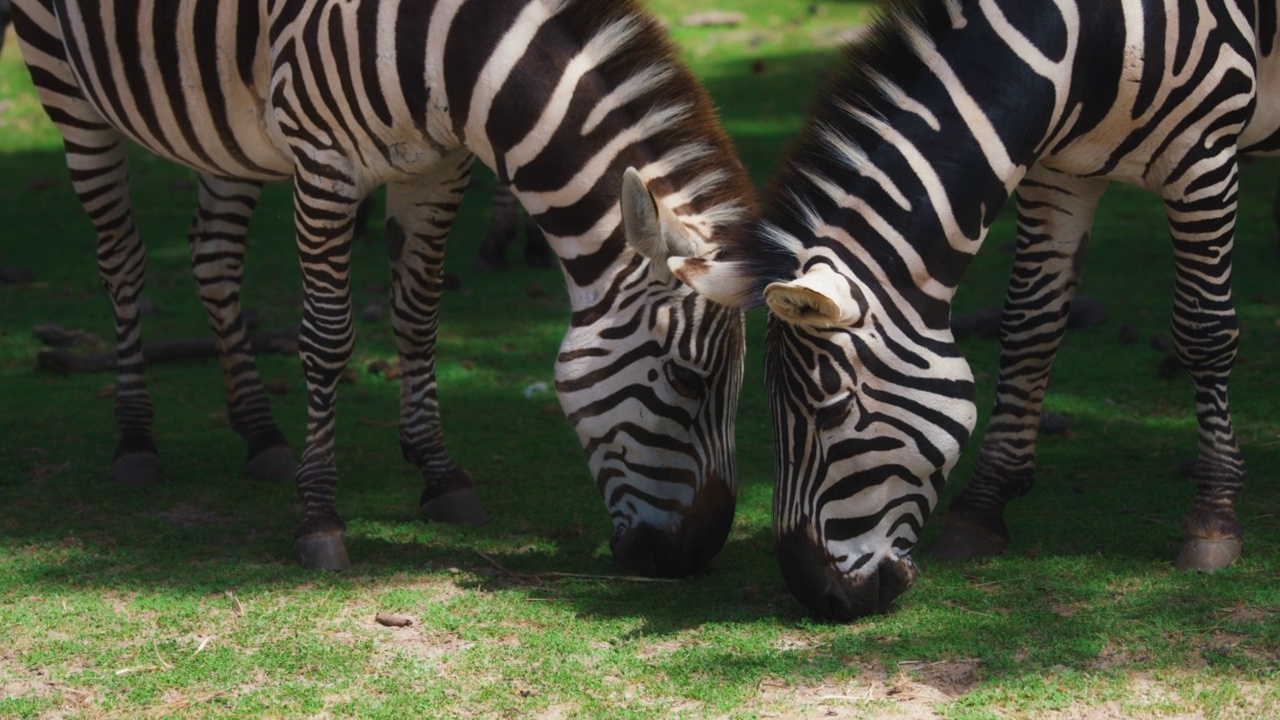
{"type": "Point", "coordinates": [682, 548]}
{"type": "Point", "coordinates": [816, 581]}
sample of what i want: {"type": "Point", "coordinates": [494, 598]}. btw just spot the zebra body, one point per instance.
{"type": "Point", "coordinates": [919, 141]}
{"type": "Point", "coordinates": [557, 96]}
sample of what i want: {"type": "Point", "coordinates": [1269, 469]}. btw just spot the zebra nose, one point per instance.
{"type": "Point", "coordinates": [682, 548]}
{"type": "Point", "coordinates": [816, 582]}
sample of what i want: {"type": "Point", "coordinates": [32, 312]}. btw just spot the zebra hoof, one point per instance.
{"type": "Point", "coordinates": [136, 470]}
{"type": "Point", "coordinates": [275, 464]}
{"type": "Point", "coordinates": [459, 507]}
{"type": "Point", "coordinates": [323, 550]}
{"type": "Point", "coordinates": [1208, 555]}
{"type": "Point", "coordinates": [962, 543]}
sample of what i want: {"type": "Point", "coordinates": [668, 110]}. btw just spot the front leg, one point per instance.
{"type": "Point", "coordinates": [1055, 213]}
{"type": "Point", "coordinates": [419, 215]}
{"type": "Point", "coordinates": [1206, 334]}
{"type": "Point", "coordinates": [325, 210]}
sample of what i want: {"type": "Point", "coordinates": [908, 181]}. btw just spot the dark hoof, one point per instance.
{"type": "Point", "coordinates": [1208, 555]}
{"type": "Point", "coordinates": [963, 543]}
{"type": "Point", "coordinates": [323, 550]}
{"type": "Point", "coordinates": [136, 470]}
{"type": "Point", "coordinates": [275, 464]}
{"type": "Point", "coordinates": [460, 507]}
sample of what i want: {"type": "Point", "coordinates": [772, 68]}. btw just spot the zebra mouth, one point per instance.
{"type": "Point", "coordinates": [817, 582]}
{"type": "Point", "coordinates": [683, 546]}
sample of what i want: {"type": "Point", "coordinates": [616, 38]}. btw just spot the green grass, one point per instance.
{"type": "Point", "coordinates": [186, 600]}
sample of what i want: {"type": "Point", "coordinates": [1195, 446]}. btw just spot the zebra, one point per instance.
{"type": "Point", "coordinates": [919, 140]}
{"type": "Point", "coordinates": [558, 97]}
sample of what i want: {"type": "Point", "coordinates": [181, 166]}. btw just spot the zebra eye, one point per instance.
{"type": "Point", "coordinates": [832, 416]}
{"type": "Point", "coordinates": [685, 381]}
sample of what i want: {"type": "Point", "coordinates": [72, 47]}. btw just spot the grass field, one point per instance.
{"type": "Point", "coordinates": [185, 599]}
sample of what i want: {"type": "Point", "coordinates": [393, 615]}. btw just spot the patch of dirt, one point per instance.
{"type": "Point", "coordinates": [19, 682]}
{"type": "Point", "coordinates": [915, 691]}
{"type": "Point", "coordinates": [921, 691]}
{"type": "Point", "coordinates": [793, 643]}
{"type": "Point", "coordinates": [1244, 613]}
{"type": "Point", "coordinates": [423, 643]}
{"type": "Point", "coordinates": [1112, 656]}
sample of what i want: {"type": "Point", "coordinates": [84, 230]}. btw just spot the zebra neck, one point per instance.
{"type": "Point", "coordinates": [917, 146]}
{"type": "Point", "coordinates": [559, 98]}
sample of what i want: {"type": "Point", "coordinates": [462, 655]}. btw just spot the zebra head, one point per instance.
{"type": "Point", "coordinates": [649, 375]}
{"type": "Point", "coordinates": [871, 406]}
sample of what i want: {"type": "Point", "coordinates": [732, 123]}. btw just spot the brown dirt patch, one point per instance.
{"type": "Point", "coordinates": [417, 641]}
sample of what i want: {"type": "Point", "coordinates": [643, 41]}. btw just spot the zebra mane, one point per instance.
{"type": "Point", "coordinates": [854, 95]}
{"type": "Point", "coordinates": [693, 148]}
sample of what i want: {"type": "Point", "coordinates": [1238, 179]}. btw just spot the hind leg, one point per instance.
{"type": "Point", "coordinates": [1055, 213]}
{"type": "Point", "coordinates": [419, 215]}
{"type": "Point", "coordinates": [100, 176]}
{"type": "Point", "coordinates": [217, 239]}
{"type": "Point", "coordinates": [95, 154]}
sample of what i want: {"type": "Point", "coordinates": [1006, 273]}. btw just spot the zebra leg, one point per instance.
{"type": "Point", "coordinates": [325, 205]}
{"type": "Point", "coordinates": [1055, 213]}
{"type": "Point", "coordinates": [100, 175]}
{"type": "Point", "coordinates": [1206, 334]}
{"type": "Point", "coordinates": [504, 228]}
{"type": "Point", "coordinates": [99, 169]}
{"type": "Point", "coordinates": [419, 215]}
{"type": "Point", "coordinates": [216, 238]}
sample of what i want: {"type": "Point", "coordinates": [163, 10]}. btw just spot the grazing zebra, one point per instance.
{"type": "Point", "coordinates": [917, 144]}
{"type": "Point", "coordinates": [557, 96]}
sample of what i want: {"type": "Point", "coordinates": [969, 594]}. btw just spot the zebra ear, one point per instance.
{"type": "Point", "coordinates": [719, 281]}
{"type": "Point", "coordinates": [651, 229]}
{"type": "Point", "coordinates": [821, 298]}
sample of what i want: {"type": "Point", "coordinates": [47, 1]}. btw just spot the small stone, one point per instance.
{"type": "Point", "coordinates": [534, 289]}
{"type": "Point", "coordinates": [388, 620]}
{"type": "Point", "coordinates": [377, 367]}
{"type": "Point", "coordinates": [1053, 423]}
{"type": "Point", "coordinates": [349, 376]}
{"type": "Point", "coordinates": [277, 387]}
{"type": "Point", "coordinates": [371, 313]}
{"type": "Point", "coordinates": [146, 307]}
{"type": "Point", "coordinates": [1170, 366]}
{"type": "Point", "coordinates": [39, 183]}
{"type": "Point", "coordinates": [1162, 342]}
{"type": "Point", "coordinates": [11, 274]}
{"type": "Point", "coordinates": [1086, 311]}
{"type": "Point", "coordinates": [106, 391]}
{"type": "Point", "coordinates": [451, 281]}
{"type": "Point", "coordinates": [1128, 334]}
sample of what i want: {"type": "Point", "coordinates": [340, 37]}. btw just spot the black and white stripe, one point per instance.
{"type": "Point", "coordinates": [559, 97]}
{"type": "Point", "coordinates": [917, 144]}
